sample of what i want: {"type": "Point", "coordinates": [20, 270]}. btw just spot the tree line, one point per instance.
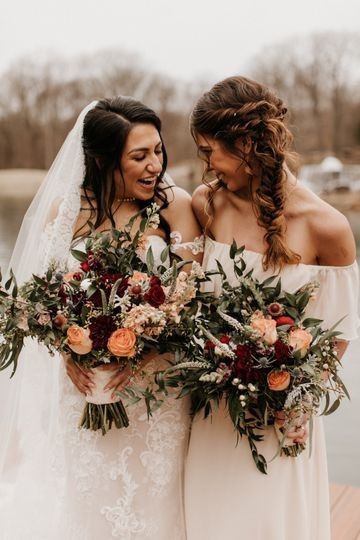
{"type": "Point", "coordinates": [318, 77]}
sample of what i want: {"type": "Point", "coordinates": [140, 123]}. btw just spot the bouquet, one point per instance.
{"type": "Point", "coordinates": [255, 348]}
{"type": "Point", "coordinates": [114, 307]}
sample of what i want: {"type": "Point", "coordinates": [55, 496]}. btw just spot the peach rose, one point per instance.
{"type": "Point", "coordinates": [278, 380]}
{"type": "Point", "coordinates": [137, 277]}
{"type": "Point", "coordinates": [122, 342]}
{"type": "Point", "coordinates": [265, 327]}
{"type": "Point", "coordinates": [78, 339]}
{"type": "Point", "coordinates": [300, 340]}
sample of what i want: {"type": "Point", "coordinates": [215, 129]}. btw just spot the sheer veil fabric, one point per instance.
{"type": "Point", "coordinates": [45, 234]}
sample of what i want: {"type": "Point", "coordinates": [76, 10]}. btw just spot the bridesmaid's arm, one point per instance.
{"type": "Point", "coordinates": [181, 219]}
{"type": "Point", "coordinates": [198, 202]}
{"type": "Point", "coordinates": [335, 245]}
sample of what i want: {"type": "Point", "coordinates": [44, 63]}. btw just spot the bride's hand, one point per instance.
{"type": "Point", "coordinates": [80, 377]}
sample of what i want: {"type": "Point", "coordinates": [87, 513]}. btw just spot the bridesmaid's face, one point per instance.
{"type": "Point", "coordinates": [230, 169]}
{"type": "Point", "coordinates": [141, 163]}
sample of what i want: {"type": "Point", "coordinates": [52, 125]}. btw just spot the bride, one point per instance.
{"type": "Point", "coordinates": [240, 129]}
{"type": "Point", "coordinates": [60, 482]}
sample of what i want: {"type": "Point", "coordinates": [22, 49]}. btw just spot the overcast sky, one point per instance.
{"type": "Point", "coordinates": [183, 38]}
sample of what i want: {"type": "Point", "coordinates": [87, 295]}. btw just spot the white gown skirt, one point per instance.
{"type": "Point", "coordinates": [127, 484]}
{"type": "Point", "coordinates": [227, 498]}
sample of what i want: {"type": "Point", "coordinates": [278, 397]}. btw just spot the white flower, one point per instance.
{"type": "Point", "coordinates": [182, 276]}
{"type": "Point", "coordinates": [221, 352]}
{"type": "Point", "coordinates": [251, 387]}
{"type": "Point", "coordinates": [22, 323]}
{"type": "Point", "coordinates": [197, 271]}
{"type": "Point", "coordinates": [85, 284]}
{"type": "Point", "coordinates": [153, 216]}
{"type": "Point", "coordinates": [122, 302]}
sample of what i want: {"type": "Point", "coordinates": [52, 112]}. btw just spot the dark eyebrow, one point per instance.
{"type": "Point", "coordinates": [144, 149]}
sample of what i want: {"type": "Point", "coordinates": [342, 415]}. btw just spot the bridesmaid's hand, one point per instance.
{"type": "Point", "coordinates": [80, 377]}
{"type": "Point", "coordinates": [298, 431]}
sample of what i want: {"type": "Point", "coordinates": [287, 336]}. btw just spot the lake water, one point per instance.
{"type": "Point", "coordinates": [343, 437]}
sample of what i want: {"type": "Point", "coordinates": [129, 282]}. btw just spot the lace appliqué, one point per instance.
{"type": "Point", "coordinates": [165, 433]}
{"type": "Point", "coordinates": [57, 235]}
{"type": "Point", "coordinates": [196, 246]}
{"type": "Point", "coordinates": [125, 521]}
{"type": "Point", "coordinates": [123, 476]}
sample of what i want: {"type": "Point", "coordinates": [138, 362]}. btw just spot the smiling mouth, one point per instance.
{"type": "Point", "coordinates": [148, 182]}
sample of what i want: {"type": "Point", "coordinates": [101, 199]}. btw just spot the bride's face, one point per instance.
{"type": "Point", "coordinates": [228, 168]}
{"type": "Point", "coordinates": [141, 163]}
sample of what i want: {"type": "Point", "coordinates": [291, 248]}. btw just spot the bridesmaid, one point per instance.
{"type": "Point", "coordinates": [240, 130]}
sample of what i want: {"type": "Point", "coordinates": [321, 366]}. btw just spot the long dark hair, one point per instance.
{"type": "Point", "coordinates": [106, 128]}
{"type": "Point", "coordinates": [237, 108]}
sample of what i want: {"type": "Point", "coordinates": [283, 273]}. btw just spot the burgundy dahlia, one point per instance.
{"type": "Point", "coordinates": [282, 351]}
{"type": "Point", "coordinates": [242, 366]}
{"type": "Point", "coordinates": [243, 353]}
{"type": "Point", "coordinates": [101, 328]}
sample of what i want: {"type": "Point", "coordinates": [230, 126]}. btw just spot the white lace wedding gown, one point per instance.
{"type": "Point", "coordinates": [226, 497]}
{"type": "Point", "coordinates": [127, 484]}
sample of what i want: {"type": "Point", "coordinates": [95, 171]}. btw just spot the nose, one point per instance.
{"type": "Point", "coordinates": [155, 164]}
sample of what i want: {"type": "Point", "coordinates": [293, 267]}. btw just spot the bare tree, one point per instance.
{"type": "Point", "coordinates": [319, 78]}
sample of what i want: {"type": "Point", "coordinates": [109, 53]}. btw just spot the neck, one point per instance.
{"type": "Point", "coordinates": [247, 190]}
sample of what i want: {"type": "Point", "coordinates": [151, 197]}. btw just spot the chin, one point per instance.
{"type": "Point", "coordinates": [145, 196]}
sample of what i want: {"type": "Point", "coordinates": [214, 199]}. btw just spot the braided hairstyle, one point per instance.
{"type": "Point", "coordinates": [236, 109]}
{"type": "Point", "coordinates": [106, 128]}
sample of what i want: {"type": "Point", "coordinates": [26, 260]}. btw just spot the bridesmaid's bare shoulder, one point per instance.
{"type": "Point", "coordinates": [333, 236]}
{"type": "Point", "coordinates": [328, 228]}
